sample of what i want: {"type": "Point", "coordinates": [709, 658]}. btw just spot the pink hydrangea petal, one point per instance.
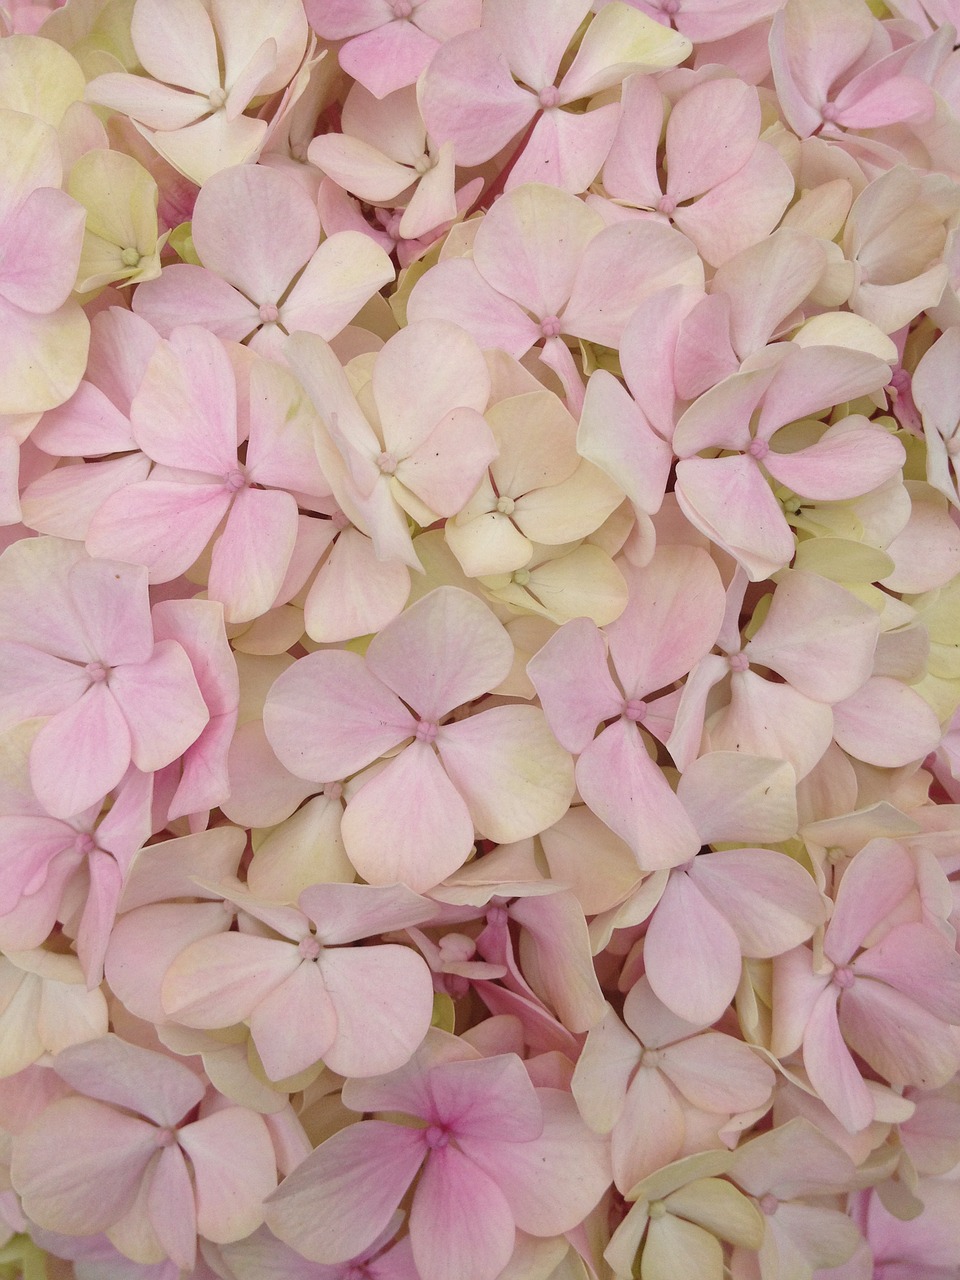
{"type": "Point", "coordinates": [812, 379]}
{"type": "Point", "coordinates": [566, 976]}
{"type": "Point", "coordinates": [691, 953]}
{"type": "Point", "coordinates": [252, 555]}
{"type": "Point", "coordinates": [630, 170]}
{"type": "Point", "coordinates": [459, 1218]}
{"type": "Point", "coordinates": [671, 621]}
{"type": "Point", "coordinates": [129, 1076]}
{"type": "Point", "coordinates": [348, 912]}
{"type": "Point", "coordinates": [718, 1074]}
{"type": "Point", "coordinates": [88, 1183]}
{"type": "Point", "coordinates": [423, 372]}
{"type": "Point", "coordinates": [99, 914]}
{"type": "Point", "coordinates": [328, 716]}
{"type": "Point", "coordinates": [354, 593]}
{"type": "Point", "coordinates": [695, 160]}
{"type": "Point", "coordinates": [900, 1039]}
{"type": "Point", "coordinates": [740, 212]}
{"type": "Point", "coordinates": [729, 500]}
{"type": "Point", "coordinates": [201, 149]}
{"type": "Point", "coordinates": [218, 981]}
{"type": "Point", "coordinates": [336, 1203]}
{"type": "Point", "coordinates": [185, 413]}
{"type": "Point", "coordinates": [650, 1130]}
{"type": "Point", "coordinates": [618, 268]}
{"type": "Point", "coordinates": [42, 242]}
{"type": "Point", "coordinates": [344, 273]}
{"type": "Point", "coordinates": [529, 247]}
{"type": "Point", "coordinates": [456, 291]}
{"type": "Point", "coordinates": [383, 1000]}
{"type": "Point", "coordinates": [255, 227]}
{"type": "Point", "coordinates": [507, 766]}
{"type": "Point", "coordinates": [33, 683]}
{"type": "Point", "coordinates": [234, 1169]}
{"type": "Point", "coordinates": [831, 1069]}
{"type": "Point", "coordinates": [886, 723]}
{"type": "Point", "coordinates": [388, 57]}
{"type": "Point", "coordinates": [145, 693]}
{"type": "Point", "coordinates": [771, 902]}
{"type": "Point", "coordinates": [615, 435]}
{"type": "Point", "coordinates": [171, 1207]}
{"type": "Point", "coordinates": [175, 43]}
{"type": "Point", "coordinates": [766, 282]}
{"type": "Point", "coordinates": [445, 650]}
{"type": "Point", "coordinates": [468, 97]}
{"type": "Point", "coordinates": [534, 48]}
{"type": "Point", "coordinates": [294, 1025]}
{"type": "Point", "coordinates": [573, 681]}
{"type": "Point", "coordinates": [774, 720]}
{"type": "Point", "coordinates": [433, 832]}
{"type": "Point", "coordinates": [156, 105]}
{"type": "Point", "coordinates": [566, 150]}
{"type": "Point", "coordinates": [551, 1182]}
{"type": "Point", "coordinates": [919, 962]}
{"type": "Point", "coordinates": [163, 524]}
{"type": "Point", "coordinates": [80, 754]}
{"type": "Point", "coordinates": [623, 787]}
{"type": "Point", "coordinates": [489, 1098]}
{"type": "Point", "coordinates": [186, 294]}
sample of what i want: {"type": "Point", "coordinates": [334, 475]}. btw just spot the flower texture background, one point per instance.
{"type": "Point", "coordinates": [479, 639]}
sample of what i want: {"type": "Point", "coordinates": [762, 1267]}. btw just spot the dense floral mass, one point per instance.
{"type": "Point", "coordinates": [479, 639]}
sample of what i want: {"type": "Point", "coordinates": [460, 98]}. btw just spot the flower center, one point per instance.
{"type": "Point", "coordinates": [953, 446]}
{"type": "Point", "coordinates": [550, 326]}
{"type": "Point", "coordinates": [130, 257]}
{"type": "Point", "coordinates": [829, 112]}
{"type": "Point", "coordinates": [84, 844]}
{"type": "Point", "coordinates": [651, 1058]}
{"type": "Point", "coordinates": [332, 790]}
{"type": "Point", "coordinates": [387, 462]}
{"type": "Point", "coordinates": [844, 977]}
{"type": "Point", "coordinates": [738, 662]}
{"type": "Point", "coordinates": [656, 1209]}
{"type": "Point", "coordinates": [97, 672]}
{"type": "Point", "coordinates": [234, 480]}
{"type": "Point", "coordinates": [666, 205]}
{"type": "Point", "coordinates": [506, 506]}
{"type": "Point", "coordinates": [217, 97]}
{"type": "Point", "coordinates": [165, 1137]}
{"type": "Point", "coordinates": [549, 97]}
{"type": "Point", "coordinates": [424, 164]}
{"type": "Point", "coordinates": [426, 731]}
{"type": "Point", "coordinates": [401, 8]}
{"type": "Point", "coordinates": [268, 312]}
{"type": "Point", "coordinates": [635, 709]}
{"type": "Point", "coordinates": [521, 577]}
{"type": "Point", "coordinates": [309, 947]}
{"type": "Point", "coordinates": [758, 449]}
{"type": "Point", "coordinates": [768, 1204]}
{"type": "Point", "coordinates": [497, 916]}
{"type": "Point", "coordinates": [436, 1137]}
{"type": "Point", "coordinates": [670, 7]}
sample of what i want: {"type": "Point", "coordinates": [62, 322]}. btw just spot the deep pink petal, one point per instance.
{"type": "Point", "coordinates": [918, 961]}
{"type": "Point", "coordinates": [459, 1219]}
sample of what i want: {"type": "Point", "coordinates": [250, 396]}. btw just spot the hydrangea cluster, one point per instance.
{"type": "Point", "coordinates": [480, 639]}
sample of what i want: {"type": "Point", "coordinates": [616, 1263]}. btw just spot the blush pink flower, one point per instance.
{"type": "Point", "coordinates": [499, 771]}
{"type": "Point", "coordinates": [672, 619]}
{"type": "Point", "coordinates": [265, 273]}
{"type": "Point", "coordinates": [485, 87]}
{"type": "Point", "coordinates": [189, 416]}
{"type": "Point", "coordinates": [389, 43]}
{"type": "Point", "coordinates": [131, 1155]}
{"type": "Point", "coordinates": [888, 989]}
{"type": "Point", "coordinates": [77, 645]}
{"type": "Point", "coordinates": [492, 1152]}
{"type": "Point", "coordinates": [306, 995]}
